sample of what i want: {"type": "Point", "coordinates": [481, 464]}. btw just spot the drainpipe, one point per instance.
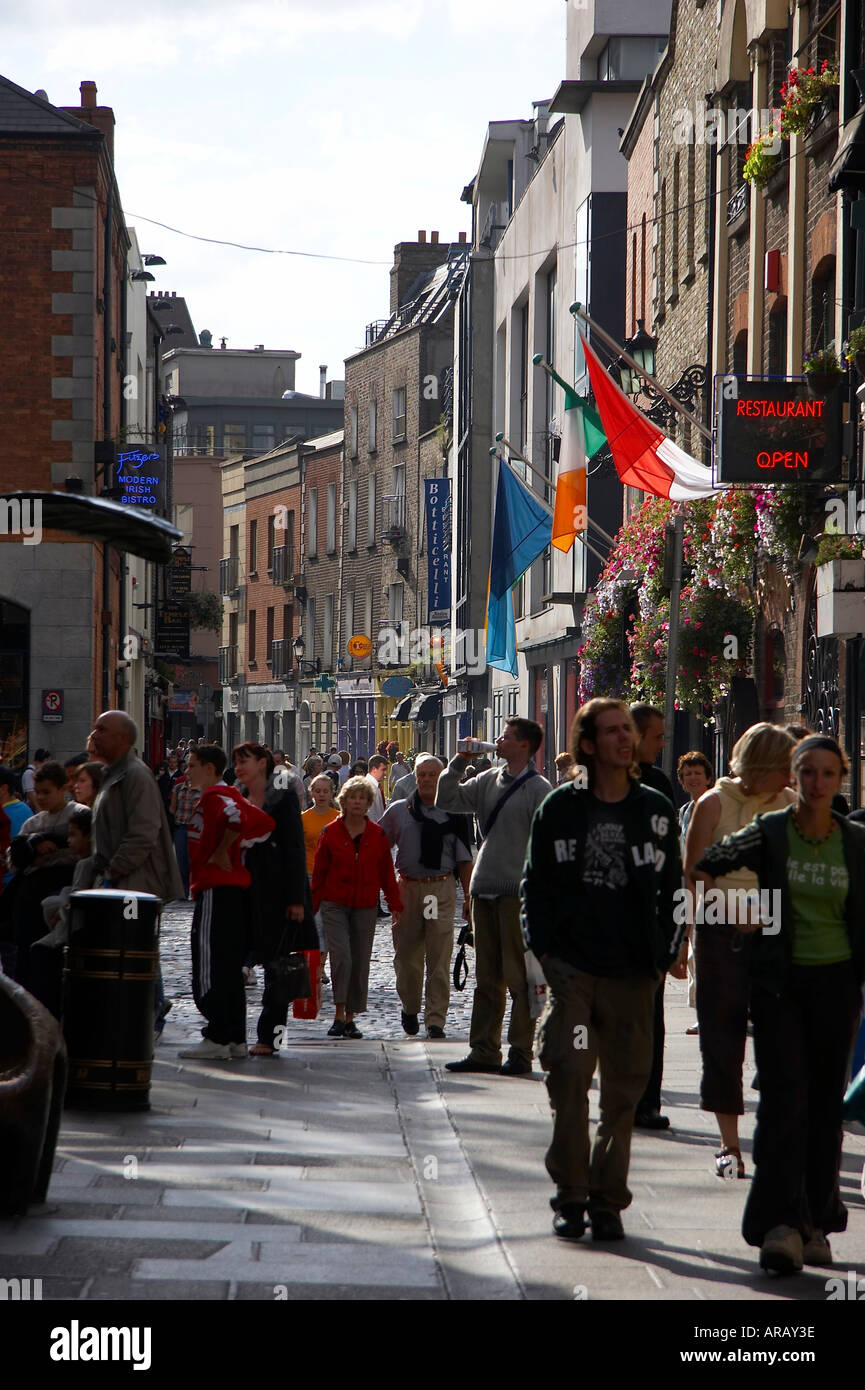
{"type": "Point", "coordinates": [107, 701]}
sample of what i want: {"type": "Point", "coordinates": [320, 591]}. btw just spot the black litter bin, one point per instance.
{"type": "Point", "coordinates": [112, 964]}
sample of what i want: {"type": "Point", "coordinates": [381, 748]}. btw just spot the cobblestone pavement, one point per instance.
{"type": "Point", "coordinates": [381, 1021]}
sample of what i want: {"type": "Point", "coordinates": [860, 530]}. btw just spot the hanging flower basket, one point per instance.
{"type": "Point", "coordinates": [856, 350]}
{"type": "Point", "coordinates": [803, 92]}
{"type": "Point", "coordinates": [761, 159]}
{"type": "Point", "coordinates": [823, 371]}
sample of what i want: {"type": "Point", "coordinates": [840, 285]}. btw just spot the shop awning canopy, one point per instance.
{"type": "Point", "coordinates": [403, 707]}
{"type": "Point", "coordinates": [847, 169]}
{"type": "Point", "coordinates": [97, 519]}
{"type": "Point", "coordinates": [427, 706]}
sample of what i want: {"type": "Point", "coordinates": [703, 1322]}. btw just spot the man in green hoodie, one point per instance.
{"type": "Point", "coordinates": [598, 896]}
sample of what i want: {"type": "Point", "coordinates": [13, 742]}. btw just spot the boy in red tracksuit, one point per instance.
{"type": "Point", "coordinates": [223, 825]}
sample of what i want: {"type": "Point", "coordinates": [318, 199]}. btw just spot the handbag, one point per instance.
{"type": "Point", "coordinates": [461, 969]}
{"type": "Point", "coordinates": [286, 977]}
{"type": "Point", "coordinates": [307, 1006]}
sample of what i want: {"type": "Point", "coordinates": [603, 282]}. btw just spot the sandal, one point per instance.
{"type": "Point", "coordinates": [262, 1050]}
{"type": "Point", "coordinates": [724, 1163]}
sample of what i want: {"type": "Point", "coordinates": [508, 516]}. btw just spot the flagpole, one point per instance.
{"type": "Point", "coordinates": [500, 438]}
{"type": "Point", "coordinates": [641, 371]}
{"type": "Point", "coordinates": [678, 544]}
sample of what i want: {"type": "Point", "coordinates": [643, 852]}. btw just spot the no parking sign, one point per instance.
{"type": "Point", "coordinates": [52, 706]}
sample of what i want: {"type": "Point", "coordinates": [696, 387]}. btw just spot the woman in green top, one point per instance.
{"type": "Point", "coordinates": [806, 976]}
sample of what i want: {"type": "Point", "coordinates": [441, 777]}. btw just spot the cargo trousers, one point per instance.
{"type": "Point", "coordinates": [500, 969]}
{"type": "Point", "coordinates": [592, 1021]}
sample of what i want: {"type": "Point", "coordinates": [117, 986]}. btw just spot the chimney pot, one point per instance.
{"type": "Point", "coordinates": [434, 237]}
{"type": "Point", "coordinates": [463, 238]}
{"type": "Point", "coordinates": [88, 94]}
{"type": "Point", "coordinates": [421, 236]}
{"type": "Point", "coordinates": [322, 381]}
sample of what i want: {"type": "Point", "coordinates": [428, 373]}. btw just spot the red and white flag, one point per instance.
{"type": "Point", "coordinates": [644, 456]}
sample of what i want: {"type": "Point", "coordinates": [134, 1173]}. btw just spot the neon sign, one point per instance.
{"type": "Point", "coordinates": [775, 431]}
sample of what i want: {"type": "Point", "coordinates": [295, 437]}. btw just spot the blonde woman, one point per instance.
{"type": "Point", "coordinates": [352, 866]}
{"type": "Point", "coordinates": [760, 764]}
{"type": "Point", "coordinates": [320, 814]}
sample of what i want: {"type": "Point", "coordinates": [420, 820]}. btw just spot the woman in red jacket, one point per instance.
{"type": "Point", "coordinates": [352, 866]}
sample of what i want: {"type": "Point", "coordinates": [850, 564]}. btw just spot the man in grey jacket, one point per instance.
{"type": "Point", "coordinates": [504, 801]}
{"type": "Point", "coordinates": [131, 838]}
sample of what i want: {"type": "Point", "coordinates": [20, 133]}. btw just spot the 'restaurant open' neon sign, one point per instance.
{"type": "Point", "coordinates": [776, 431]}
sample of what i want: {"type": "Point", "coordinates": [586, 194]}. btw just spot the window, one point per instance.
{"type": "Point", "coordinates": [524, 379]}
{"type": "Point", "coordinates": [290, 553]}
{"type": "Point", "coordinates": [370, 512]}
{"type": "Point", "coordinates": [309, 633]}
{"type": "Point", "coordinates": [399, 413]}
{"type": "Point", "coordinates": [250, 633]}
{"type": "Point", "coordinates": [348, 612]}
{"type": "Point", "coordinates": [367, 614]}
{"type": "Point", "coordinates": [395, 599]}
{"type": "Point", "coordinates": [263, 438]}
{"type": "Point", "coordinates": [331, 518]}
{"type": "Point", "coordinates": [352, 432]}
{"type": "Point", "coordinates": [327, 652]}
{"type": "Point", "coordinates": [373, 426]}
{"type": "Point", "coordinates": [823, 303]}
{"type": "Point", "coordinates": [183, 513]}
{"type": "Point", "coordinates": [271, 612]}
{"type": "Point", "coordinates": [271, 541]}
{"type": "Point", "coordinates": [513, 701]}
{"type": "Point", "coordinates": [351, 539]}
{"type": "Point", "coordinates": [312, 523]}
{"type": "Point", "coordinates": [234, 439]}
{"type": "Point", "coordinates": [287, 625]}
{"type": "Point", "coordinates": [234, 542]}
{"type": "Point", "coordinates": [498, 711]}
{"type": "Point", "coordinates": [252, 559]}
{"type": "Point", "coordinates": [520, 598]}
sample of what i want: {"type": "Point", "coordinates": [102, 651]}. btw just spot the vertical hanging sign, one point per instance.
{"type": "Point", "coordinates": [438, 540]}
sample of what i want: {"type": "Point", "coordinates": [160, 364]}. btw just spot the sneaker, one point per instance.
{"type": "Point", "coordinates": [816, 1250]}
{"type": "Point", "coordinates": [606, 1225]}
{"type": "Point", "coordinates": [435, 1032]}
{"type": "Point", "coordinates": [410, 1024]}
{"type": "Point", "coordinates": [238, 1049]}
{"type": "Point", "coordinates": [782, 1250]}
{"type": "Point", "coordinates": [337, 1028]}
{"type": "Point", "coordinates": [352, 1031]}
{"type": "Point", "coordinates": [207, 1051]}
{"type": "Point", "coordinates": [249, 976]}
{"type": "Point", "coordinates": [569, 1222]}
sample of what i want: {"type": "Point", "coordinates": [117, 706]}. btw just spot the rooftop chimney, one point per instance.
{"type": "Point", "coordinates": [88, 95]}
{"type": "Point", "coordinates": [421, 236]}
{"type": "Point", "coordinates": [463, 238]}
{"type": "Point", "coordinates": [102, 117]}
{"type": "Point", "coordinates": [434, 238]}
{"type": "Point", "coordinates": [322, 381]}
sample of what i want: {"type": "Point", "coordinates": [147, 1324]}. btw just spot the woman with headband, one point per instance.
{"type": "Point", "coordinates": [806, 973]}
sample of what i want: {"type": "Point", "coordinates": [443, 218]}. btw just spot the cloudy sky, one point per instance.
{"type": "Point", "coordinates": [331, 126]}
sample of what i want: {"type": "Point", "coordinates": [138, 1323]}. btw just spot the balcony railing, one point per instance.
{"type": "Point", "coordinates": [228, 574]}
{"type": "Point", "coordinates": [738, 203]}
{"type": "Point", "coordinates": [281, 659]}
{"type": "Point", "coordinates": [374, 331]}
{"type": "Point", "coordinates": [393, 518]}
{"type": "Point", "coordinates": [284, 567]}
{"type": "Point", "coordinates": [227, 664]}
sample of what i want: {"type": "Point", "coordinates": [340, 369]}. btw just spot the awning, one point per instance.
{"type": "Point", "coordinates": [97, 519]}
{"type": "Point", "coordinates": [427, 706]}
{"type": "Point", "coordinates": [847, 169]}
{"type": "Point", "coordinates": [401, 713]}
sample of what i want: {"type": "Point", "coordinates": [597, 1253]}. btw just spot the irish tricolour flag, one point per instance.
{"type": "Point", "coordinates": [582, 437]}
{"type": "Point", "coordinates": [644, 457]}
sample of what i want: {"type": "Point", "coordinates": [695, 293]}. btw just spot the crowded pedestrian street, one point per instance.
{"type": "Point", "coordinates": [362, 1170]}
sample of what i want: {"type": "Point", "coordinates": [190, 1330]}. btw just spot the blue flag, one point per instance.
{"type": "Point", "coordinates": [522, 530]}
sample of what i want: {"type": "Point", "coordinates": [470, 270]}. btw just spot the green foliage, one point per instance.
{"type": "Point", "coordinates": [205, 611]}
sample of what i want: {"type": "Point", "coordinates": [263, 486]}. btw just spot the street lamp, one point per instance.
{"type": "Point", "coordinates": [298, 647]}
{"type": "Point", "coordinates": [641, 347]}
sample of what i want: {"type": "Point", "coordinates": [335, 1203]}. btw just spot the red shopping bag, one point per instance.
{"type": "Point", "coordinates": [308, 1008]}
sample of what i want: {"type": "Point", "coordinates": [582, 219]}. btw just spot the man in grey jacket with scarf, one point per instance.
{"type": "Point", "coordinates": [431, 846]}
{"type": "Point", "coordinates": [504, 801]}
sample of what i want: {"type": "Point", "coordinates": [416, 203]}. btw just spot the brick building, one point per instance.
{"type": "Point", "coordinates": [397, 428]}
{"type": "Point", "coordinates": [749, 277]}
{"type": "Point", "coordinates": [63, 286]}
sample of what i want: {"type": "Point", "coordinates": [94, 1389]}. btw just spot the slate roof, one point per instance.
{"type": "Point", "coordinates": [23, 113]}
